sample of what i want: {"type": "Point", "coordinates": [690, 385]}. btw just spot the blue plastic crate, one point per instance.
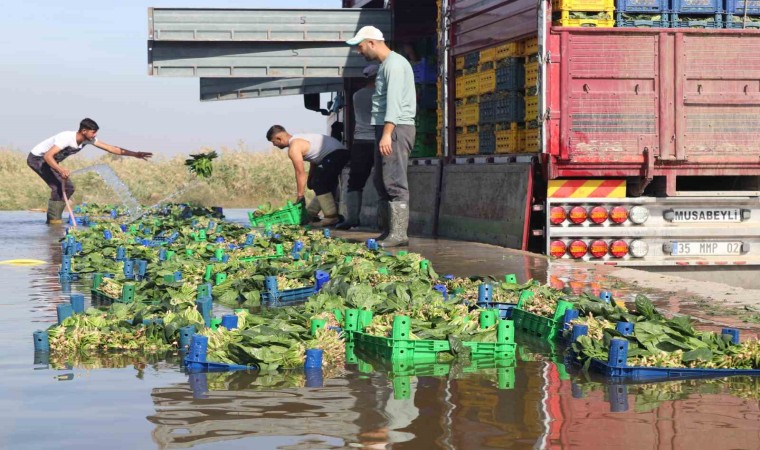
{"type": "Point", "coordinates": [505, 309]}
{"type": "Point", "coordinates": [664, 373]}
{"type": "Point", "coordinates": [486, 142]}
{"type": "Point", "coordinates": [510, 75]}
{"type": "Point", "coordinates": [195, 360]}
{"type": "Point", "coordinates": [697, 7]}
{"type": "Point", "coordinates": [641, 6]}
{"type": "Point", "coordinates": [687, 21]}
{"type": "Point", "coordinates": [730, 23]}
{"type": "Point", "coordinates": [425, 72]}
{"type": "Point", "coordinates": [287, 297]}
{"type": "Point", "coordinates": [510, 107]}
{"type": "Point", "coordinates": [471, 60]}
{"type": "Point", "coordinates": [736, 7]}
{"type": "Point", "coordinates": [625, 21]}
{"type": "Point", "coordinates": [487, 109]}
{"type": "Point", "coordinates": [427, 96]}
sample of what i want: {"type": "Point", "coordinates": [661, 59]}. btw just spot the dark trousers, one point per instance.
{"type": "Point", "coordinates": [362, 159]}
{"type": "Point", "coordinates": [390, 171]}
{"type": "Point", "coordinates": [324, 177]}
{"type": "Point", "coordinates": [51, 177]}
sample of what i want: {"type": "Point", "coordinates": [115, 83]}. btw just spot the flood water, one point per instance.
{"type": "Point", "coordinates": [535, 401]}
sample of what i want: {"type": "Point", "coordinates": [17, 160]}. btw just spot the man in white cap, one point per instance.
{"type": "Point", "coordinates": [362, 150]}
{"type": "Point", "coordinates": [394, 105]}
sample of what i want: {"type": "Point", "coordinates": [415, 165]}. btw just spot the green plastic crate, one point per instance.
{"type": "Point", "coordinates": [289, 214]}
{"type": "Point", "coordinates": [535, 325]}
{"type": "Point", "coordinates": [399, 347]}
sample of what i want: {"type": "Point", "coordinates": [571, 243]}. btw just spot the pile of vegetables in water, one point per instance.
{"type": "Point", "coordinates": [236, 260]}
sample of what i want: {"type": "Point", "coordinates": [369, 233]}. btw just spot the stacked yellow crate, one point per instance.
{"type": "Point", "coordinates": [528, 137]}
{"type": "Point", "coordinates": [583, 13]}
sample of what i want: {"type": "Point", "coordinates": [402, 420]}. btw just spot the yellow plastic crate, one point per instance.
{"type": "Point", "coordinates": [531, 108]}
{"type": "Point", "coordinates": [583, 5]}
{"type": "Point", "coordinates": [488, 55]}
{"type": "Point", "coordinates": [520, 140]}
{"type": "Point", "coordinates": [459, 63]}
{"type": "Point", "coordinates": [470, 85]}
{"type": "Point", "coordinates": [509, 50]}
{"type": "Point", "coordinates": [471, 114]}
{"type": "Point", "coordinates": [562, 19]}
{"type": "Point", "coordinates": [471, 143]}
{"type": "Point", "coordinates": [506, 141]}
{"type": "Point", "coordinates": [486, 81]}
{"type": "Point", "coordinates": [459, 87]}
{"type": "Point", "coordinates": [439, 115]}
{"type": "Point", "coordinates": [531, 74]}
{"type": "Point", "coordinates": [530, 46]}
{"type": "Point", "coordinates": [532, 140]}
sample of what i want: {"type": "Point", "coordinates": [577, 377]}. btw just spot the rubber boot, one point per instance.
{"type": "Point", "coordinates": [399, 222]}
{"type": "Point", "coordinates": [311, 214]}
{"type": "Point", "coordinates": [329, 210]}
{"type": "Point", "coordinates": [55, 211]}
{"type": "Point", "coordinates": [383, 219]}
{"type": "Point", "coordinates": [353, 210]}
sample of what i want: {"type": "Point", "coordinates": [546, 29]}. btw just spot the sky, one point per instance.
{"type": "Point", "coordinates": [66, 60]}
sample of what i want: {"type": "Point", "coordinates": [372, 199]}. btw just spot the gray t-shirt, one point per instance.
{"type": "Point", "coordinates": [363, 131]}
{"type": "Point", "coordinates": [395, 99]}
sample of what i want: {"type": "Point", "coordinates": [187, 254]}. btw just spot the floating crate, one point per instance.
{"type": "Point", "coordinates": [507, 139]}
{"type": "Point", "coordinates": [510, 74]}
{"type": "Point", "coordinates": [564, 19]}
{"type": "Point", "coordinates": [290, 214]}
{"type": "Point", "coordinates": [486, 141]}
{"type": "Point", "coordinates": [510, 107]}
{"type": "Point", "coordinates": [583, 5]}
{"type": "Point", "coordinates": [488, 55]}
{"type": "Point", "coordinates": [661, 20]}
{"type": "Point", "coordinates": [686, 7]}
{"type": "Point", "coordinates": [708, 21]}
{"type": "Point", "coordinates": [487, 108]}
{"type": "Point", "coordinates": [547, 328]}
{"type": "Point", "coordinates": [642, 6]}
{"type": "Point", "coordinates": [531, 74]}
{"type": "Point", "coordinates": [531, 108]}
{"type": "Point", "coordinates": [459, 63]}
{"type": "Point", "coordinates": [738, 22]}
{"type": "Point", "coordinates": [399, 347]}
{"type": "Point", "coordinates": [472, 60]}
{"type": "Point", "coordinates": [425, 72]}
{"type": "Point", "coordinates": [530, 46]}
{"type": "Point", "coordinates": [509, 50]}
{"type": "Point", "coordinates": [532, 142]}
{"type": "Point", "coordinates": [736, 7]}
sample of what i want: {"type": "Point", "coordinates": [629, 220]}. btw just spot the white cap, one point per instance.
{"type": "Point", "coordinates": [368, 32]}
{"type": "Point", "coordinates": [370, 70]}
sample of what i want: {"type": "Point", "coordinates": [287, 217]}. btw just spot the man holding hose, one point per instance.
{"type": "Point", "coordinates": [45, 157]}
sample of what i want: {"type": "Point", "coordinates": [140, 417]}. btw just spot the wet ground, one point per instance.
{"type": "Point", "coordinates": [534, 402]}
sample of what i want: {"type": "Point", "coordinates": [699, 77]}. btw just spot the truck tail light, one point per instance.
{"type": "Point", "coordinates": [558, 249]}
{"type": "Point", "coordinates": [639, 248]}
{"type": "Point", "coordinates": [598, 214]}
{"type": "Point", "coordinates": [618, 214]}
{"type": "Point", "coordinates": [578, 214]}
{"type": "Point", "coordinates": [598, 249]}
{"type": "Point", "coordinates": [638, 214]}
{"type": "Point", "coordinates": [619, 248]}
{"type": "Point", "coordinates": [557, 215]}
{"type": "Point", "coordinates": [578, 249]}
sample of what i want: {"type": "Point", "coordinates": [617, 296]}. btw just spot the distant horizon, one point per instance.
{"type": "Point", "coordinates": [84, 59]}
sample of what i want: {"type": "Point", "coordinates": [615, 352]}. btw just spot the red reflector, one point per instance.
{"type": "Point", "coordinates": [618, 214]}
{"type": "Point", "coordinates": [557, 215]}
{"type": "Point", "coordinates": [618, 248]}
{"type": "Point", "coordinates": [598, 249]}
{"type": "Point", "coordinates": [557, 249]}
{"type": "Point", "coordinates": [598, 214]}
{"type": "Point", "coordinates": [578, 214]}
{"type": "Point", "coordinates": [578, 249]}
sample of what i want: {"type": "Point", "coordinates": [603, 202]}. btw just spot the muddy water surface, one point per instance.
{"type": "Point", "coordinates": [535, 401]}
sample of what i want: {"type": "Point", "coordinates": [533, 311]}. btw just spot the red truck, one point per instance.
{"type": "Point", "coordinates": [645, 149]}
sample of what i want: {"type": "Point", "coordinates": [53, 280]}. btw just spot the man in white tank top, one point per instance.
{"type": "Point", "coordinates": [327, 157]}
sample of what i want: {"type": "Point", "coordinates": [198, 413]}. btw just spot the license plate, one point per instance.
{"type": "Point", "coordinates": [701, 248]}
{"type": "Point", "coordinates": [707, 215]}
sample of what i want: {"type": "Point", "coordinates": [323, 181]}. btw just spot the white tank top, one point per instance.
{"type": "Point", "coordinates": [320, 145]}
